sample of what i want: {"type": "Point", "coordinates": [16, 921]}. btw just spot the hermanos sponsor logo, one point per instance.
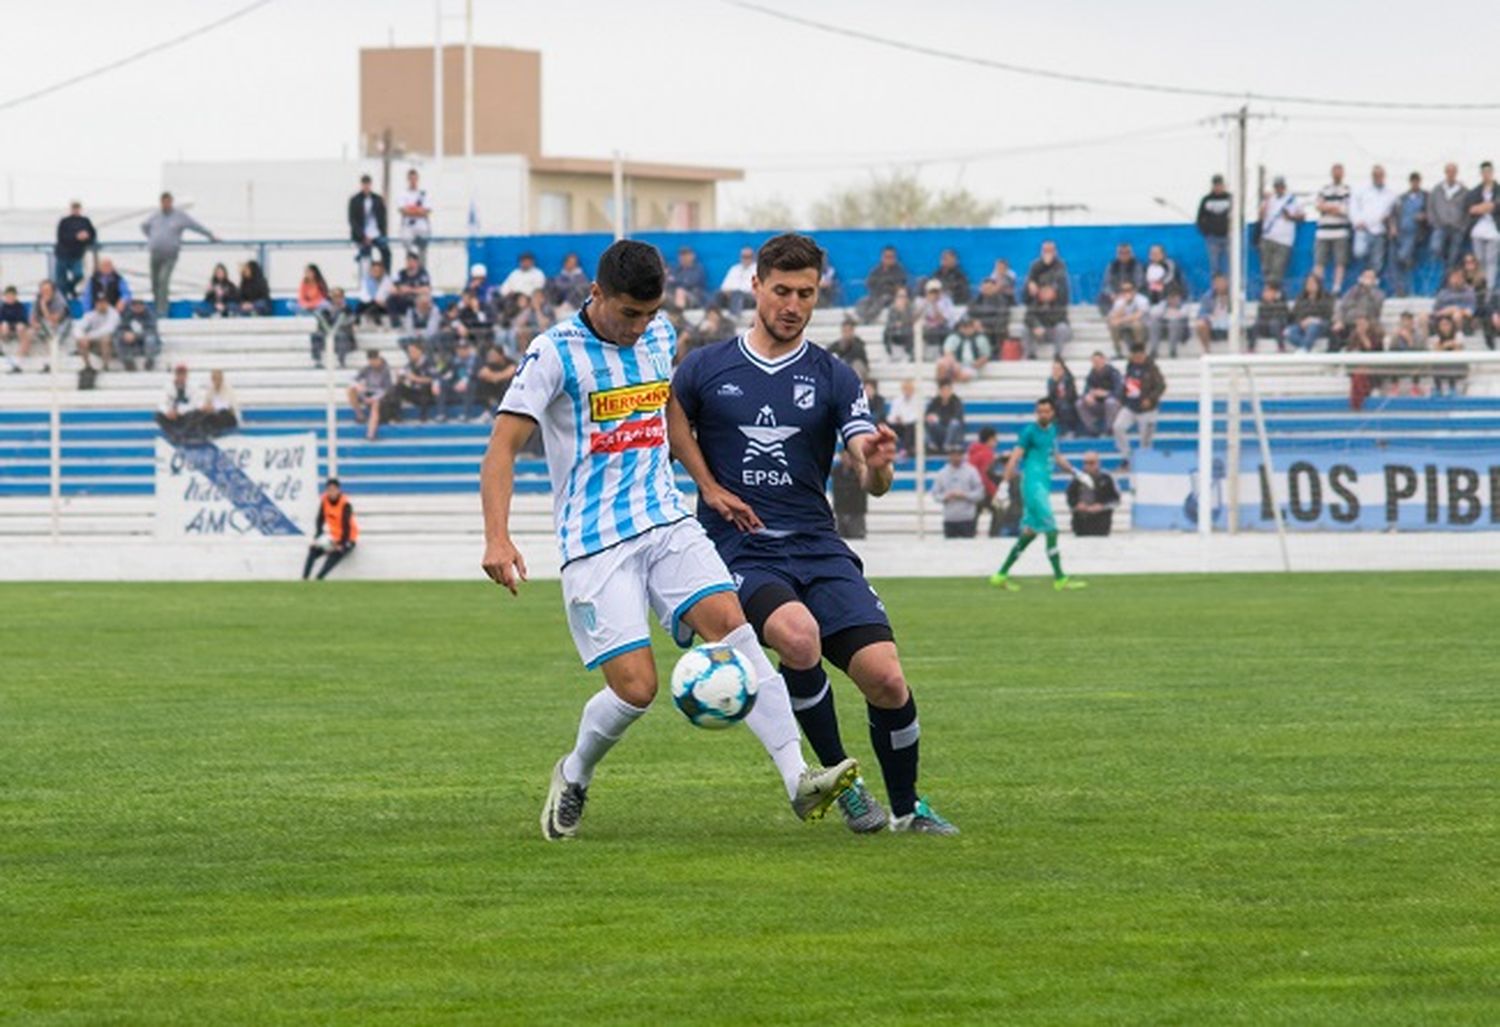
{"type": "Point", "coordinates": [616, 404]}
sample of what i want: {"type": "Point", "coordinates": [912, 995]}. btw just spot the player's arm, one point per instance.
{"type": "Point", "coordinates": [1011, 463]}
{"type": "Point", "coordinates": [497, 485]}
{"type": "Point", "coordinates": [685, 449]}
{"type": "Point", "coordinates": [875, 455]}
{"type": "Point", "coordinates": [1071, 471]}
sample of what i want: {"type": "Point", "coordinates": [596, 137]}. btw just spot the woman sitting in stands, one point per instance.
{"type": "Point", "coordinates": [255, 291]}
{"type": "Point", "coordinates": [222, 298]}
{"type": "Point", "coordinates": [219, 406]}
{"type": "Point", "coordinates": [313, 292]}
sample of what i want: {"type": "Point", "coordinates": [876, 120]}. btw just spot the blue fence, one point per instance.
{"type": "Point", "coordinates": [1086, 249]}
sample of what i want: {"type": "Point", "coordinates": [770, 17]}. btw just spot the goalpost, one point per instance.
{"type": "Point", "coordinates": [1339, 442]}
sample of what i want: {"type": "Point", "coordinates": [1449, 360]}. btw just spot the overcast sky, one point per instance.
{"type": "Point", "coordinates": [802, 111]}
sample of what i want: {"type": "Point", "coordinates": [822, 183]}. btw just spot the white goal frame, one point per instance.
{"type": "Point", "coordinates": [1241, 367]}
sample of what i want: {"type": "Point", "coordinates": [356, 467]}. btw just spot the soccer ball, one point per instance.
{"type": "Point", "coordinates": [713, 686]}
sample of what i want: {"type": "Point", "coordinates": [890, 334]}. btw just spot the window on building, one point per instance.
{"type": "Point", "coordinates": [609, 212]}
{"type": "Point", "coordinates": [554, 212]}
{"type": "Point", "coordinates": [684, 216]}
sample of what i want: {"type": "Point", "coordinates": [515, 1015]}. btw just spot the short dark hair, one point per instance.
{"type": "Point", "coordinates": [986, 433]}
{"type": "Point", "coordinates": [363, 180]}
{"type": "Point", "coordinates": [788, 252]}
{"type": "Point", "coordinates": [633, 268]}
{"type": "Point", "coordinates": [1137, 347]}
{"type": "Point", "coordinates": [1047, 400]}
{"type": "Point", "coordinates": [1486, 164]}
{"type": "Point", "coordinates": [330, 481]}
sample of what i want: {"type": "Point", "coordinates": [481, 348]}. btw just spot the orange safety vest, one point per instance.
{"type": "Point", "coordinates": [333, 519]}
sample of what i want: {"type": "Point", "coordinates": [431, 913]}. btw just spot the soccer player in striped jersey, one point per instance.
{"type": "Point", "coordinates": [756, 421]}
{"type": "Point", "coordinates": [597, 387]}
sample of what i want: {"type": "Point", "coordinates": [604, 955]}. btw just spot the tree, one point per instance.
{"type": "Point", "coordinates": [764, 213]}
{"type": "Point", "coordinates": [900, 200]}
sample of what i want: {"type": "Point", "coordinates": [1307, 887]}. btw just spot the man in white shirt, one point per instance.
{"type": "Point", "coordinates": [1370, 211]}
{"type": "Point", "coordinates": [1127, 317]}
{"type": "Point", "coordinates": [97, 331]}
{"type": "Point", "coordinates": [1279, 214]}
{"type": "Point", "coordinates": [176, 414]}
{"type": "Point", "coordinates": [524, 279]}
{"type": "Point", "coordinates": [903, 413]}
{"type": "Point", "coordinates": [734, 291]}
{"type": "Point", "coordinates": [416, 216]}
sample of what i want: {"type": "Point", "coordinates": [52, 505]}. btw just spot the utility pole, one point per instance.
{"type": "Point", "coordinates": [1052, 209]}
{"type": "Point", "coordinates": [389, 151]}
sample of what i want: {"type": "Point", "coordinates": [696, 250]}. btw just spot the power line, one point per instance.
{"type": "Point", "coordinates": [831, 162]}
{"type": "Point", "coordinates": [132, 58]}
{"type": "Point", "coordinates": [1097, 80]}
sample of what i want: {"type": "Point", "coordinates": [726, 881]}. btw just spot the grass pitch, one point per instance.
{"type": "Point", "coordinates": [1184, 800]}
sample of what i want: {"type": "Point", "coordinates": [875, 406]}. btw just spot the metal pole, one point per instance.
{"type": "Point", "coordinates": [330, 399]}
{"type": "Point", "coordinates": [468, 109]}
{"type": "Point", "coordinates": [437, 93]}
{"type": "Point", "coordinates": [54, 426]}
{"type": "Point", "coordinates": [919, 371]}
{"type": "Point", "coordinates": [619, 182]}
{"type": "Point", "coordinates": [1265, 461]}
{"type": "Point", "coordinates": [1205, 448]}
{"type": "Point", "coordinates": [1236, 310]}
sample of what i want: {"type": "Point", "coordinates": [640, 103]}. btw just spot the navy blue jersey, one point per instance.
{"type": "Point", "coordinates": [769, 431]}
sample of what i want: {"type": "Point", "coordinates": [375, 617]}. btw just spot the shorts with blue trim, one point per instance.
{"type": "Point", "coordinates": [611, 595]}
{"type": "Point", "coordinates": [832, 587]}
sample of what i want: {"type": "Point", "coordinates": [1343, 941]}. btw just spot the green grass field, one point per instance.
{"type": "Point", "coordinates": [1184, 800]}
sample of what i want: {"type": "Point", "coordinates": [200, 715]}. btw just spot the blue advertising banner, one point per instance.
{"type": "Point", "coordinates": [1321, 488]}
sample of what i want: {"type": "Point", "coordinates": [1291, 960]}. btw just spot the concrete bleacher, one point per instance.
{"type": "Point", "coordinates": [422, 478]}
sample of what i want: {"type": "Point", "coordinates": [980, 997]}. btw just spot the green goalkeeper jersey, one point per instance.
{"type": "Point", "coordinates": [1038, 444]}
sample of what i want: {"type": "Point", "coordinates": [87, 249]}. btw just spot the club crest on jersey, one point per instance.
{"type": "Point", "coordinates": [766, 444]}
{"type": "Point", "coordinates": [804, 393]}
{"type": "Point", "coordinates": [730, 389]}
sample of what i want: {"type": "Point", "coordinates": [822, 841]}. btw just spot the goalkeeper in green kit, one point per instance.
{"type": "Point", "coordinates": [1035, 453]}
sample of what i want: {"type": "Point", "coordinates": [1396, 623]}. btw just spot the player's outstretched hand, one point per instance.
{"type": "Point", "coordinates": [880, 449]}
{"type": "Point", "coordinates": [504, 564]}
{"type": "Point", "coordinates": [733, 509]}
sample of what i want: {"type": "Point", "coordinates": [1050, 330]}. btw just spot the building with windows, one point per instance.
{"type": "Point", "coordinates": [507, 186]}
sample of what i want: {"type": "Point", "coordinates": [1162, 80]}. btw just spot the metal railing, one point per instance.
{"type": "Point", "coordinates": [23, 264]}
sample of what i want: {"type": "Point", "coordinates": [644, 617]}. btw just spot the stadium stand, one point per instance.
{"type": "Point", "coordinates": [421, 479]}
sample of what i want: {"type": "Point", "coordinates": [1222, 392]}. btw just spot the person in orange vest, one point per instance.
{"type": "Point", "coordinates": [335, 532]}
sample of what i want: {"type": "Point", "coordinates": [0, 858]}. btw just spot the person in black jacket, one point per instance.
{"type": "Point", "coordinates": [1093, 506]}
{"type": "Point", "coordinates": [75, 237]}
{"type": "Point", "coordinates": [255, 291]}
{"type": "Point", "coordinates": [367, 225]}
{"type": "Point", "coordinates": [1213, 225]}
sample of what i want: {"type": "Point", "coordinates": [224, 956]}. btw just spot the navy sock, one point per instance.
{"type": "Point", "coordinates": [812, 702]}
{"type": "Point", "coordinates": [894, 734]}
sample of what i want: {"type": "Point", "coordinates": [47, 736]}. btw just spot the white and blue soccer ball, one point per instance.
{"type": "Point", "coordinates": [713, 686]}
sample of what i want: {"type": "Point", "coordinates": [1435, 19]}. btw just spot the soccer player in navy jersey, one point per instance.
{"type": "Point", "coordinates": [756, 421]}
{"type": "Point", "coordinates": [595, 385]}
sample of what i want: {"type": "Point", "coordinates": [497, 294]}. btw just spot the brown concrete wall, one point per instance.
{"type": "Point", "coordinates": [395, 91]}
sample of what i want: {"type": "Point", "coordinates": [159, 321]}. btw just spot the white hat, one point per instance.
{"type": "Point", "coordinates": [478, 271]}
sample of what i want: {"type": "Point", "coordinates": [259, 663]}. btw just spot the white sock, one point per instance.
{"type": "Point", "coordinates": [771, 719]}
{"type": "Point", "coordinates": [605, 718]}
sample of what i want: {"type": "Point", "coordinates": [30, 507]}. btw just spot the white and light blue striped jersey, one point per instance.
{"type": "Point", "coordinates": [602, 412]}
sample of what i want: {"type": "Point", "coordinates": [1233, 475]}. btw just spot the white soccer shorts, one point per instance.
{"type": "Point", "coordinates": [667, 569]}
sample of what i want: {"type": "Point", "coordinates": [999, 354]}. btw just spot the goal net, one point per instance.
{"type": "Point", "coordinates": [1372, 444]}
